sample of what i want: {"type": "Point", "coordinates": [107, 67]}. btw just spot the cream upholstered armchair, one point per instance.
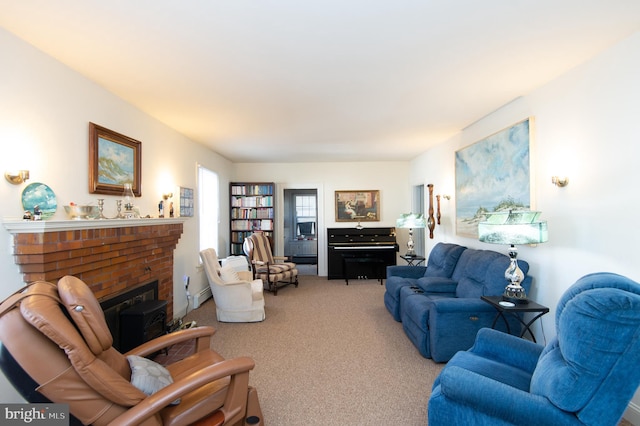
{"type": "Point", "coordinates": [273, 270]}
{"type": "Point", "coordinates": [238, 297]}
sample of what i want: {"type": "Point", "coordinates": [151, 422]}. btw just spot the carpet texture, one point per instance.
{"type": "Point", "coordinates": [329, 354]}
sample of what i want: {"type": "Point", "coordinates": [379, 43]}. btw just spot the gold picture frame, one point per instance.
{"type": "Point", "coordinates": [114, 159]}
{"type": "Point", "coordinates": [357, 206]}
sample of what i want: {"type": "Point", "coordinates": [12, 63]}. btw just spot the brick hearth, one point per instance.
{"type": "Point", "coordinates": [110, 256]}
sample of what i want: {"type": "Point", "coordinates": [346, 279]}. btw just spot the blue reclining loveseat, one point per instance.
{"type": "Point", "coordinates": [441, 311]}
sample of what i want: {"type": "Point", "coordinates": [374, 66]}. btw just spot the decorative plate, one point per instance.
{"type": "Point", "coordinates": [39, 194]}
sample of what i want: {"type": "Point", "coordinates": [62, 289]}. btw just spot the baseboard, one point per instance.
{"type": "Point", "coordinates": [200, 297]}
{"type": "Point", "coordinates": [632, 414]}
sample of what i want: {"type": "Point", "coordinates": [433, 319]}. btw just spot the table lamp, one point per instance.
{"type": "Point", "coordinates": [513, 227]}
{"type": "Point", "coordinates": [411, 221]}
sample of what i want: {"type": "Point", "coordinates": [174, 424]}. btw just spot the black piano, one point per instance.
{"type": "Point", "coordinates": [360, 253]}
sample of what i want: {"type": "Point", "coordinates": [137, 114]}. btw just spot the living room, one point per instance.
{"type": "Point", "coordinates": [584, 129]}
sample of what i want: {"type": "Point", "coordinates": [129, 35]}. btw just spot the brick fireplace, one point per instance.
{"type": "Point", "coordinates": [110, 256]}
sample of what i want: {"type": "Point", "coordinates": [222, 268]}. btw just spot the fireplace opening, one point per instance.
{"type": "Point", "coordinates": [113, 306]}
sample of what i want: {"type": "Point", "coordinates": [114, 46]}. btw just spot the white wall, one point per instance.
{"type": "Point", "coordinates": [45, 109]}
{"type": "Point", "coordinates": [586, 126]}
{"type": "Point", "coordinates": [388, 177]}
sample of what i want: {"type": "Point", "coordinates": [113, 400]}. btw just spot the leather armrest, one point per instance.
{"type": "Point", "coordinates": [201, 334]}
{"type": "Point", "coordinates": [156, 402]}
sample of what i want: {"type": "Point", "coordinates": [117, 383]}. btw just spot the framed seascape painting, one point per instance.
{"type": "Point", "coordinates": [114, 160]}
{"type": "Point", "coordinates": [357, 206]}
{"type": "Point", "coordinates": [493, 174]}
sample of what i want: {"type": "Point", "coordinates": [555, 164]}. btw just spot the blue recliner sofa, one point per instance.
{"type": "Point", "coordinates": [442, 314]}
{"type": "Point", "coordinates": [586, 375]}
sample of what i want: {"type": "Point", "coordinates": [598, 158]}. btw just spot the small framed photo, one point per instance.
{"type": "Point", "coordinates": [114, 159]}
{"type": "Point", "coordinates": [358, 206]}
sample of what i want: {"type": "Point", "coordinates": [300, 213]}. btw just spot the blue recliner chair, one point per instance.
{"type": "Point", "coordinates": [586, 375]}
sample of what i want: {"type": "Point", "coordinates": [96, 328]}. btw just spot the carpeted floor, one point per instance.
{"type": "Point", "coordinates": [329, 354]}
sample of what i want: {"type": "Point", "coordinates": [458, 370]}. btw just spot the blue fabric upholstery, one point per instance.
{"type": "Point", "coordinates": [441, 263]}
{"type": "Point", "coordinates": [481, 273]}
{"type": "Point", "coordinates": [447, 315]}
{"type": "Point", "coordinates": [586, 375]}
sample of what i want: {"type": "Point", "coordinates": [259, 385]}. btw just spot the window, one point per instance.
{"type": "Point", "coordinates": [305, 216]}
{"type": "Point", "coordinates": [208, 208]}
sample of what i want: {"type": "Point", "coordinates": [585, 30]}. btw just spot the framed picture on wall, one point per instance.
{"type": "Point", "coordinates": [358, 206]}
{"type": "Point", "coordinates": [114, 159]}
{"type": "Point", "coordinates": [493, 174]}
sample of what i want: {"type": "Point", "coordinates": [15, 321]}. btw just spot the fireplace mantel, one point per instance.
{"type": "Point", "coordinates": [15, 226]}
{"type": "Point", "coordinates": [109, 255]}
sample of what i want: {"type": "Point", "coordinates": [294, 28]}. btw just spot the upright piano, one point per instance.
{"type": "Point", "coordinates": [360, 253]}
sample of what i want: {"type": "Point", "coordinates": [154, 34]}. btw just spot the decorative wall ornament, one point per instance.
{"type": "Point", "coordinates": [493, 174]}
{"type": "Point", "coordinates": [431, 222]}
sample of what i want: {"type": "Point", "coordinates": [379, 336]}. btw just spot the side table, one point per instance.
{"type": "Point", "coordinates": [514, 310]}
{"type": "Point", "coordinates": [413, 260]}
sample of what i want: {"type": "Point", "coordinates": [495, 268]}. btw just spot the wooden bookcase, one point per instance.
{"type": "Point", "coordinates": [252, 209]}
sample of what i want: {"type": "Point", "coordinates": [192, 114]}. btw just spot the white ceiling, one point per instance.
{"type": "Point", "coordinates": [331, 80]}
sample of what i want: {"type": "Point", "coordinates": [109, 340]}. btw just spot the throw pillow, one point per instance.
{"type": "Point", "coordinates": [229, 274]}
{"type": "Point", "coordinates": [149, 376]}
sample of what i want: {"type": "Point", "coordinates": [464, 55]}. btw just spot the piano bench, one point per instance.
{"type": "Point", "coordinates": [367, 262]}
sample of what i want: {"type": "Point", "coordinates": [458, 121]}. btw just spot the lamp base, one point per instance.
{"type": "Point", "coordinates": [410, 245]}
{"type": "Point", "coordinates": [515, 293]}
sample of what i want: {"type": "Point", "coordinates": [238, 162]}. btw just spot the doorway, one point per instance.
{"type": "Point", "coordinates": [301, 229]}
{"type": "Point", "coordinates": [418, 207]}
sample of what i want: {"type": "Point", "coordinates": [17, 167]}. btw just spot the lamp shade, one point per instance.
{"type": "Point", "coordinates": [411, 220]}
{"type": "Point", "coordinates": [513, 227]}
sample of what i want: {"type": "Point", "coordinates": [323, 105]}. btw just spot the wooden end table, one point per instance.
{"type": "Point", "coordinates": [514, 310]}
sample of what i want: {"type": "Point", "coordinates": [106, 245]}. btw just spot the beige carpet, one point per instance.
{"type": "Point", "coordinates": [329, 354]}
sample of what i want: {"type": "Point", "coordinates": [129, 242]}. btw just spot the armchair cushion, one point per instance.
{"type": "Point", "coordinates": [229, 274]}
{"type": "Point", "coordinates": [148, 375]}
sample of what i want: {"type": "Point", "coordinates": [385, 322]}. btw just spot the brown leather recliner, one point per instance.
{"type": "Point", "coordinates": [58, 335]}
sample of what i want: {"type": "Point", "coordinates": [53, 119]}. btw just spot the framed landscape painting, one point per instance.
{"type": "Point", "coordinates": [493, 174]}
{"type": "Point", "coordinates": [114, 160]}
{"type": "Point", "coordinates": [357, 206]}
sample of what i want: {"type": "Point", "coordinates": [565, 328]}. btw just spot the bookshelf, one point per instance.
{"type": "Point", "coordinates": [252, 209]}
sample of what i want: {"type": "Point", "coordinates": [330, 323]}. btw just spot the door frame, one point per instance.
{"type": "Point", "coordinates": [320, 230]}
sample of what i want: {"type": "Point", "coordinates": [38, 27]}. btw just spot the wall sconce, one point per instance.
{"type": "Point", "coordinates": [17, 177]}
{"type": "Point", "coordinates": [167, 195]}
{"type": "Point", "coordinates": [446, 197]}
{"type": "Point", "coordinates": [560, 182]}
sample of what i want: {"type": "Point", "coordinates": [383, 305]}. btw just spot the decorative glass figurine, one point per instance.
{"type": "Point", "coordinates": [128, 196]}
